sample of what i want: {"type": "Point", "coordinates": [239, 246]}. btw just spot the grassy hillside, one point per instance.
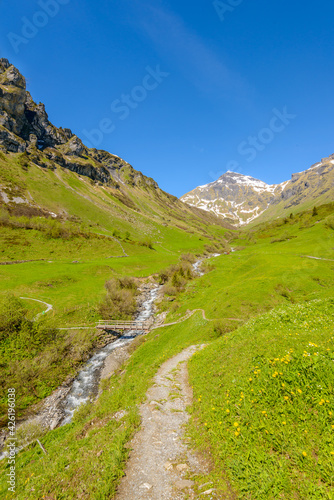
{"type": "Point", "coordinates": [262, 413]}
{"type": "Point", "coordinates": [78, 248]}
{"type": "Point", "coordinates": [62, 237]}
{"type": "Point", "coordinates": [269, 268]}
{"type": "Point", "coordinates": [264, 407]}
{"type": "Point", "coordinates": [139, 209]}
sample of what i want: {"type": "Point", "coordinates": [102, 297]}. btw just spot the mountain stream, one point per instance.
{"type": "Point", "coordinates": [87, 381]}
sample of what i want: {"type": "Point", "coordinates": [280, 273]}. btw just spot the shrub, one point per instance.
{"type": "Point", "coordinates": [221, 327]}
{"type": "Point", "coordinates": [12, 315]}
{"type": "Point", "coordinates": [4, 217]}
{"type": "Point", "coordinates": [127, 282]}
{"type": "Point", "coordinates": [207, 267]}
{"type": "Point", "coordinates": [170, 290]}
{"type": "Point", "coordinates": [147, 242]}
{"type": "Point", "coordinates": [211, 248]}
{"type": "Point", "coordinates": [28, 433]}
{"type": "Point", "coordinates": [120, 301]}
{"type": "Point", "coordinates": [330, 222]}
{"type": "Point", "coordinates": [177, 275]}
{"type": "Point", "coordinates": [188, 257]}
{"type": "Point", "coordinates": [285, 237]}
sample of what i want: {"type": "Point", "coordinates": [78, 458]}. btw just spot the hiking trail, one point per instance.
{"type": "Point", "coordinates": [160, 465]}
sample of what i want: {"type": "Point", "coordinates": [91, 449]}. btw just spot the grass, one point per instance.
{"type": "Point", "coordinates": [266, 372]}
{"type": "Point", "coordinates": [264, 404]}
{"type": "Point", "coordinates": [262, 275]}
{"type": "Point", "coordinates": [94, 445]}
{"type": "Point", "coordinates": [35, 356]}
{"type": "Point", "coordinates": [153, 213]}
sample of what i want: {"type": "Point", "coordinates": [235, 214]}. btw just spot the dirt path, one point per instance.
{"type": "Point", "coordinates": [316, 258]}
{"type": "Point", "coordinates": [159, 459]}
{"type": "Point", "coordinates": [49, 307]}
{"type": "Point", "coordinates": [188, 315]}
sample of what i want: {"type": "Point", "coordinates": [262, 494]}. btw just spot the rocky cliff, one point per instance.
{"type": "Point", "coordinates": [240, 199]}
{"type": "Point", "coordinates": [25, 127]}
{"type": "Point", "coordinates": [29, 141]}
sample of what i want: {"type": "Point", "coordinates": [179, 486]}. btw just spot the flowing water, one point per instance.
{"type": "Point", "coordinates": [87, 382]}
{"type": "Point", "coordinates": [197, 265]}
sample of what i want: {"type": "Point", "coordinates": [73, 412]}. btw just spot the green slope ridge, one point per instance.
{"type": "Point", "coordinates": [72, 218]}
{"type": "Point", "coordinates": [263, 408]}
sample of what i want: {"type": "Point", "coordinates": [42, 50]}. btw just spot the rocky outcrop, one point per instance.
{"type": "Point", "coordinates": [21, 116]}
{"type": "Point", "coordinates": [25, 127]}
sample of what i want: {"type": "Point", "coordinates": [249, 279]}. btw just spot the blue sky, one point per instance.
{"type": "Point", "coordinates": [183, 90]}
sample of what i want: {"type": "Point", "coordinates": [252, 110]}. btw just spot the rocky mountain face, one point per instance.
{"type": "Point", "coordinates": [233, 196]}
{"type": "Point", "coordinates": [240, 199]}
{"type": "Point", "coordinates": [29, 139]}
{"type": "Point", "coordinates": [25, 127]}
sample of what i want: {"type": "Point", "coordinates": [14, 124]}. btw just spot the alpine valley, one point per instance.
{"type": "Point", "coordinates": [152, 347]}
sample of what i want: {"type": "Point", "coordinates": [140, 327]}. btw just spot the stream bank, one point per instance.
{"type": "Point", "coordinates": [58, 409]}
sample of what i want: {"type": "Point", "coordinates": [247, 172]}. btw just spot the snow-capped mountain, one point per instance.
{"type": "Point", "coordinates": [240, 198]}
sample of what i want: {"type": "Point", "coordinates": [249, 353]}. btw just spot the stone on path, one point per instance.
{"type": "Point", "coordinates": [146, 486]}
{"type": "Point", "coordinates": [182, 467]}
{"type": "Point", "coordinates": [182, 484]}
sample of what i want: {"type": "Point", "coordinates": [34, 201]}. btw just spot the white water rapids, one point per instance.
{"type": "Point", "coordinates": [86, 383]}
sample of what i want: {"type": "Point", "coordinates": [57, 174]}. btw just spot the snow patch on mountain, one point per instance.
{"type": "Point", "coordinates": [242, 198]}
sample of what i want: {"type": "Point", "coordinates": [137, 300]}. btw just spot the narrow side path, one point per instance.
{"type": "Point", "coordinates": [316, 258]}
{"type": "Point", "coordinates": [160, 459]}
{"type": "Point", "coordinates": [49, 307]}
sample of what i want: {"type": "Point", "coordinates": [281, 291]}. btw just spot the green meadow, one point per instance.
{"type": "Point", "coordinates": [264, 405]}
{"type": "Point", "coordinates": [263, 409]}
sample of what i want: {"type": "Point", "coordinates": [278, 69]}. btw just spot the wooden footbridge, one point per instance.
{"type": "Point", "coordinates": [123, 326]}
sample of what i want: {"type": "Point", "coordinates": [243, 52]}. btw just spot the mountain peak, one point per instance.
{"type": "Point", "coordinates": [243, 180]}
{"type": "Point", "coordinates": [241, 198]}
